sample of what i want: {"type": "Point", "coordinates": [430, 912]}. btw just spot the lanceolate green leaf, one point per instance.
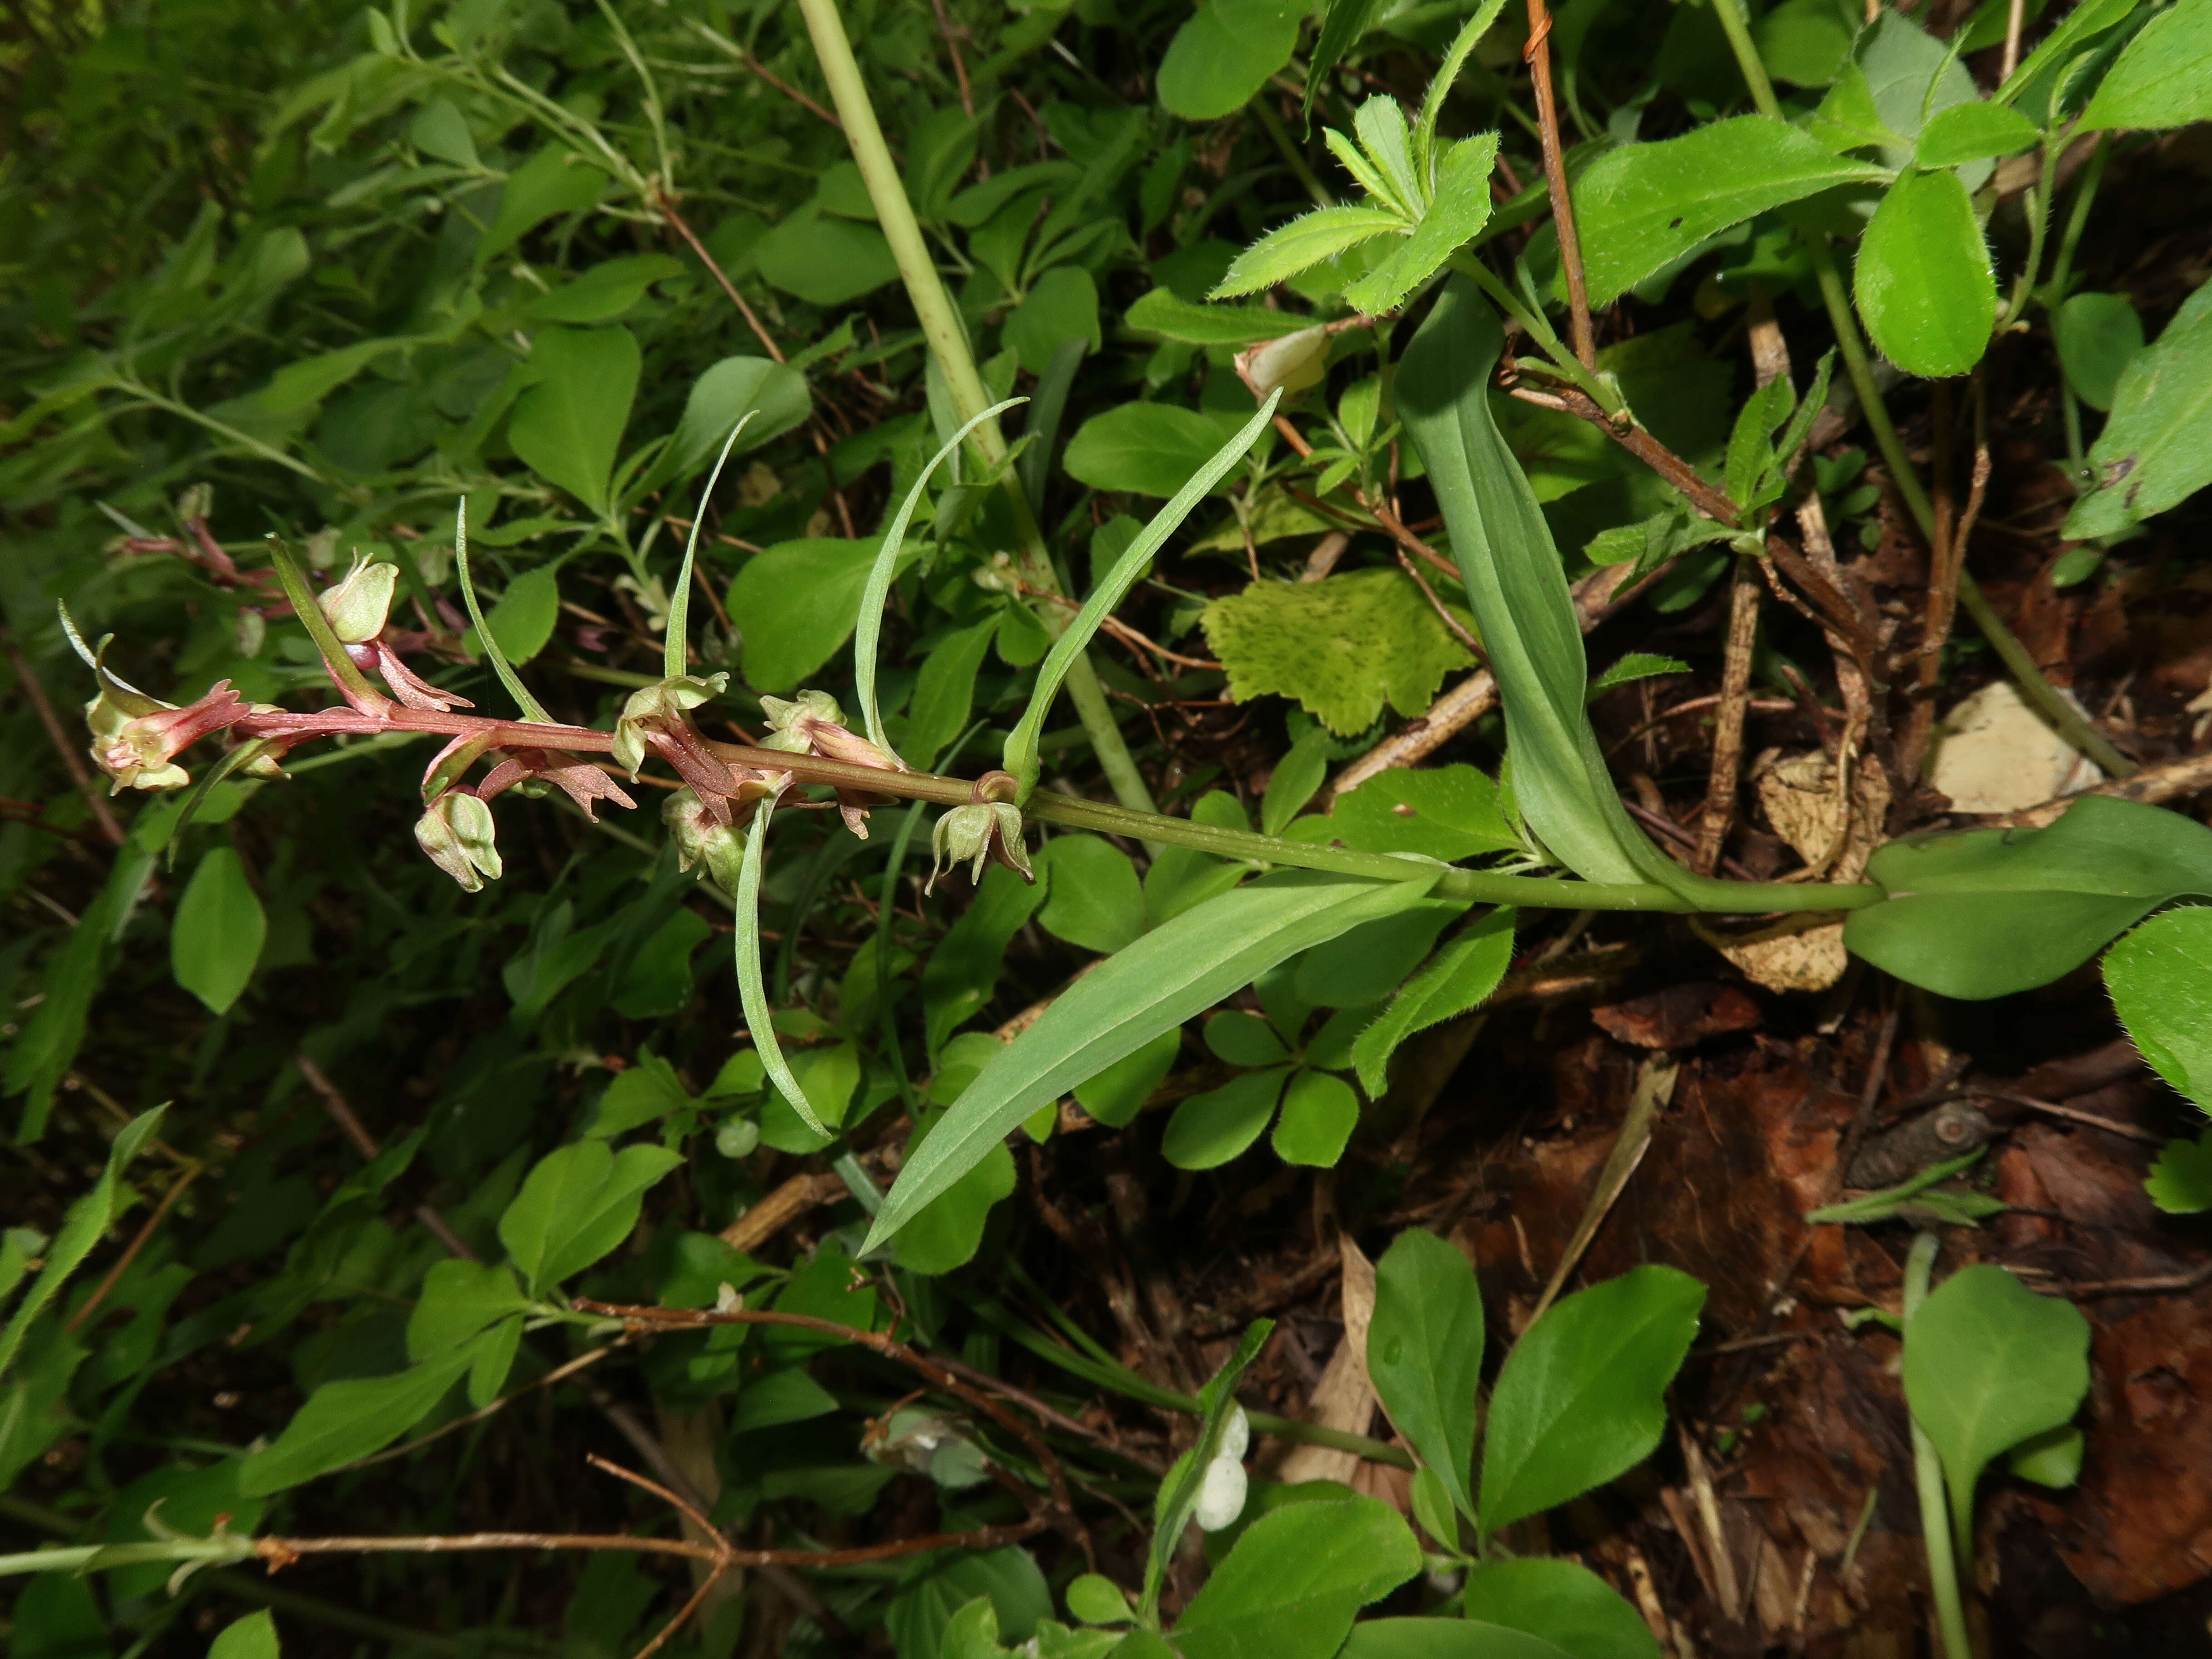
{"type": "Point", "coordinates": [217, 935]}
{"type": "Point", "coordinates": [2157, 448]}
{"type": "Point", "coordinates": [869, 631]}
{"type": "Point", "coordinates": [81, 1229]}
{"type": "Point", "coordinates": [1517, 589]}
{"type": "Point", "coordinates": [1021, 751]}
{"type": "Point", "coordinates": [1983, 913]}
{"type": "Point", "coordinates": [1174, 973]}
{"type": "Point", "coordinates": [1646, 205]}
{"type": "Point", "coordinates": [1425, 1354]}
{"type": "Point", "coordinates": [1580, 1399]}
{"type": "Point", "coordinates": [2164, 76]}
{"type": "Point", "coordinates": [1304, 242]}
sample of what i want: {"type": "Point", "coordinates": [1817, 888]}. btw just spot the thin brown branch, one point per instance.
{"type": "Point", "coordinates": [682, 227]}
{"type": "Point", "coordinates": [185, 1178]}
{"type": "Point", "coordinates": [650, 1318]}
{"type": "Point", "coordinates": [102, 813]}
{"type": "Point", "coordinates": [1538, 53]}
{"type": "Point", "coordinates": [1391, 523]}
{"type": "Point", "coordinates": [1726, 774]}
{"type": "Point", "coordinates": [349, 1125]}
{"type": "Point", "coordinates": [960, 70]}
{"type": "Point", "coordinates": [1709, 499]}
{"type": "Point", "coordinates": [1452, 623]}
{"type": "Point", "coordinates": [1947, 561]}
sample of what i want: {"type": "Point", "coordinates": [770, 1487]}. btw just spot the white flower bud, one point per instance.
{"type": "Point", "coordinates": [1220, 1495]}
{"type": "Point", "coordinates": [357, 606]}
{"type": "Point", "coordinates": [1293, 363]}
{"type": "Point", "coordinates": [1235, 1435]}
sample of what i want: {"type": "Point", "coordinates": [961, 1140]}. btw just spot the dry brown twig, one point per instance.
{"type": "Point", "coordinates": [1061, 1507]}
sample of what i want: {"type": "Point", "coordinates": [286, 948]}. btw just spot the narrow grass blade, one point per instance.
{"type": "Point", "coordinates": [676, 646]}
{"type": "Point", "coordinates": [1021, 751]}
{"type": "Point", "coordinates": [532, 710]}
{"type": "Point", "coordinates": [867, 639]}
{"type": "Point", "coordinates": [752, 991]}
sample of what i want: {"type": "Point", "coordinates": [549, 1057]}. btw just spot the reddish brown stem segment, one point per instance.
{"type": "Point", "coordinates": [1538, 54]}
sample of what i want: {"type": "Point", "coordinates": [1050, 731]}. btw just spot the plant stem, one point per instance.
{"type": "Point", "coordinates": [1928, 1479]}
{"type": "Point", "coordinates": [2071, 723]}
{"type": "Point", "coordinates": [1561, 362]}
{"type": "Point", "coordinates": [1538, 54]}
{"type": "Point", "coordinates": [2068, 721]}
{"type": "Point", "coordinates": [1307, 180]}
{"type": "Point", "coordinates": [1746, 57]}
{"type": "Point", "coordinates": [1480, 887]}
{"type": "Point", "coordinates": [948, 343]}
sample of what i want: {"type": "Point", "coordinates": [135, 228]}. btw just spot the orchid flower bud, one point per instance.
{"type": "Point", "coordinates": [813, 723]}
{"type": "Point", "coordinates": [1293, 363]}
{"type": "Point", "coordinates": [979, 831]}
{"type": "Point", "coordinates": [701, 838]}
{"type": "Point", "coordinates": [357, 606]}
{"type": "Point", "coordinates": [669, 700]}
{"type": "Point", "coordinates": [457, 832]}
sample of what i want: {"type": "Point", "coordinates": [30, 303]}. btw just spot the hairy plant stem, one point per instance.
{"type": "Point", "coordinates": [2069, 721]}
{"type": "Point", "coordinates": [948, 343]}
{"type": "Point", "coordinates": [1928, 1479]}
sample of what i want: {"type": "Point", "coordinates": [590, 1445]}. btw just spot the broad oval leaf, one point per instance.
{"type": "Point", "coordinates": [568, 424]}
{"type": "Point", "coordinates": [253, 1637]}
{"type": "Point", "coordinates": [1319, 1113]}
{"type": "Point", "coordinates": [825, 260]}
{"type": "Point", "coordinates": [1208, 1130]}
{"type": "Point", "coordinates": [1983, 913]}
{"type": "Point", "coordinates": [1446, 1639]}
{"type": "Point", "coordinates": [1562, 1603]}
{"type": "Point", "coordinates": [720, 398]}
{"type": "Point", "coordinates": [1581, 1399]}
{"type": "Point", "coordinates": [797, 604]}
{"type": "Point", "coordinates": [1425, 1354]}
{"type": "Point", "coordinates": [521, 621]}
{"type": "Point", "coordinates": [1642, 206]}
{"type": "Point", "coordinates": [1224, 54]}
{"type": "Point", "coordinates": [1173, 973]}
{"type": "Point", "coordinates": [1923, 282]}
{"type": "Point", "coordinates": [2160, 980]}
{"type": "Point", "coordinates": [1147, 449]}
{"type": "Point", "coordinates": [218, 932]}
{"type": "Point", "coordinates": [2097, 336]}
{"type": "Point", "coordinates": [1296, 1578]}
{"type": "Point", "coordinates": [1094, 898]}
{"type": "Point", "coordinates": [1342, 645]}
{"type": "Point", "coordinates": [1988, 1363]}
{"type": "Point", "coordinates": [1973, 132]}
{"type": "Point", "coordinates": [2164, 76]}
{"type": "Point", "coordinates": [578, 1203]}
